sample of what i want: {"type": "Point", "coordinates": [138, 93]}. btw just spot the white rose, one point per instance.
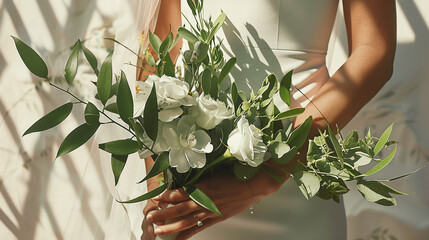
{"type": "Point", "coordinates": [246, 144]}
{"type": "Point", "coordinates": [171, 94]}
{"type": "Point", "coordinates": [209, 113]}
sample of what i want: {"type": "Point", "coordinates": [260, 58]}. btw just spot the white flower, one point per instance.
{"type": "Point", "coordinates": [245, 143]}
{"type": "Point", "coordinates": [160, 145]}
{"type": "Point", "coordinates": [171, 94]}
{"type": "Point", "coordinates": [209, 113]}
{"type": "Point", "coordinates": [188, 145]}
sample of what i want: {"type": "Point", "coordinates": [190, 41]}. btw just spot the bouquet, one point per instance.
{"type": "Point", "coordinates": [193, 127]}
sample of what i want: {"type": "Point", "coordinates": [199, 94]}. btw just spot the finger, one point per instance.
{"type": "Point", "coordinates": [150, 206]}
{"type": "Point", "coordinates": [188, 221]}
{"type": "Point", "coordinates": [148, 231]}
{"type": "Point", "coordinates": [186, 234]}
{"type": "Point", "coordinates": [176, 211]}
{"type": "Point", "coordinates": [176, 195]}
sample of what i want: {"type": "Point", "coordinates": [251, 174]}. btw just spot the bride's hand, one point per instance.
{"type": "Point", "coordinates": [230, 195]}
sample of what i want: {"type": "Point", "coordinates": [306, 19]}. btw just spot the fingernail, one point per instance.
{"type": "Point", "coordinates": [157, 198]}
{"type": "Point", "coordinates": [157, 231]}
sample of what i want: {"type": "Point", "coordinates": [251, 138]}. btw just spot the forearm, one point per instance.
{"type": "Point", "coordinates": [350, 88]}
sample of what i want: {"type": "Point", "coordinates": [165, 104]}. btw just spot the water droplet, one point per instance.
{"type": "Point", "coordinates": [251, 209]}
{"type": "Point", "coordinates": [245, 177]}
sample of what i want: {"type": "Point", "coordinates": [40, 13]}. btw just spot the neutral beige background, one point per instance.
{"type": "Point", "coordinates": [70, 200]}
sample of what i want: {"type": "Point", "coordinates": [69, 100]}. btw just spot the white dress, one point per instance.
{"type": "Point", "coordinates": [277, 36]}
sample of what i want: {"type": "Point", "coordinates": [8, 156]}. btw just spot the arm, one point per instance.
{"type": "Point", "coordinates": [169, 18]}
{"type": "Point", "coordinates": [371, 31]}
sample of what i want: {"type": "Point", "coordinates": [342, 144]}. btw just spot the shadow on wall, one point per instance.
{"type": "Point", "coordinates": [25, 220]}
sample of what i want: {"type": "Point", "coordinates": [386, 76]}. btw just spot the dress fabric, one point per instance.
{"type": "Point", "coordinates": [276, 36]}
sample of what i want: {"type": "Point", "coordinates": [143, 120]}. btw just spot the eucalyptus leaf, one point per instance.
{"type": "Point", "coordinates": [92, 115]}
{"type": "Point", "coordinates": [201, 50]}
{"type": "Point", "coordinates": [51, 119]}
{"type": "Point", "coordinates": [148, 195]}
{"type": "Point", "coordinates": [351, 140]}
{"type": "Point", "coordinates": [299, 136]}
{"type": "Point", "coordinates": [381, 164]}
{"type": "Point", "coordinates": [186, 34]}
{"type": "Point", "coordinates": [227, 69]}
{"type": "Point", "coordinates": [120, 147]}
{"type": "Point", "coordinates": [308, 183]}
{"type": "Point", "coordinates": [289, 113]}
{"type": "Point", "coordinates": [383, 140]}
{"type": "Point", "coordinates": [285, 85]}
{"type": "Point", "coordinates": [313, 152]}
{"type": "Point", "coordinates": [118, 164]}
{"type": "Point", "coordinates": [217, 25]}
{"type": "Point", "coordinates": [376, 192]}
{"type": "Point", "coordinates": [202, 199]}
{"type": "Point", "coordinates": [150, 113]}
{"type": "Point", "coordinates": [161, 164]}
{"type": "Point", "coordinates": [70, 69]}
{"type": "Point", "coordinates": [104, 80]}
{"type": "Point", "coordinates": [31, 59]}
{"type": "Point", "coordinates": [76, 138]}
{"type": "Point", "coordinates": [124, 101]}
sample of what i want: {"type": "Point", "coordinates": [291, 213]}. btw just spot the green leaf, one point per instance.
{"type": "Point", "coordinates": [299, 136]}
{"type": "Point", "coordinates": [206, 81]}
{"type": "Point", "coordinates": [120, 147]}
{"type": "Point", "coordinates": [244, 172]}
{"type": "Point", "coordinates": [124, 99]}
{"type": "Point", "coordinates": [351, 140]}
{"type": "Point", "coordinates": [149, 59]}
{"type": "Point", "coordinates": [201, 50]}
{"type": "Point", "coordinates": [150, 113]}
{"type": "Point", "coordinates": [51, 119]}
{"type": "Point", "coordinates": [214, 88]}
{"type": "Point", "coordinates": [155, 42]}
{"type": "Point", "coordinates": [285, 84]}
{"type": "Point", "coordinates": [308, 183]}
{"type": "Point", "coordinates": [227, 69]}
{"type": "Point", "coordinates": [313, 152]}
{"type": "Point", "coordinates": [217, 25]}
{"type": "Point", "coordinates": [381, 164]}
{"type": "Point", "coordinates": [76, 138]}
{"type": "Point", "coordinates": [376, 192]}
{"type": "Point", "coordinates": [118, 164]}
{"type": "Point", "coordinates": [289, 113]}
{"type": "Point", "coordinates": [337, 146]}
{"type": "Point", "coordinates": [31, 59]}
{"type": "Point", "coordinates": [113, 108]}
{"type": "Point", "coordinates": [169, 66]}
{"type": "Point", "coordinates": [70, 69]}
{"type": "Point", "coordinates": [192, 7]}
{"type": "Point", "coordinates": [161, 164]}
{"type": "Point", "coordinates": [104, 81]}
{"type": "Point", "coordinates": [202, 199]}
{"type": "Point", "coordinates": [92, 115]}
{"type": "Point", "coordinates": [272, 81]}
{"type": "Point", "coordinates": [91, 59]}
{"type": "Point", "coordinates": [148, 195]}
{"type": "Point", "coordinates": [186, 34]}
{"type": "Point", "coordinates": [383, 139]}
{"type": "Point", "coordinates": [165, 45]}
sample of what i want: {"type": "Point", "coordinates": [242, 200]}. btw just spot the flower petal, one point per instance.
{"type": "Point", "coordinates": [195, 160]}
{"type": "Point", "coordinates": [179, 160]}
{"type": "Point", "coordinates": [168, 115]}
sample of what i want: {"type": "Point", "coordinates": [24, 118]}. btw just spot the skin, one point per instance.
{"type": "Point", "coordinates": [371, 32]}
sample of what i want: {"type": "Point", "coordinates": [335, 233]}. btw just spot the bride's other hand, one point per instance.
{"type": "Point", "coordinates": [230, 195]}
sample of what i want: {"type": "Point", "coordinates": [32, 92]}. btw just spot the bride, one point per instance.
{"type": "Point", "coordinates": [277, 36]}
